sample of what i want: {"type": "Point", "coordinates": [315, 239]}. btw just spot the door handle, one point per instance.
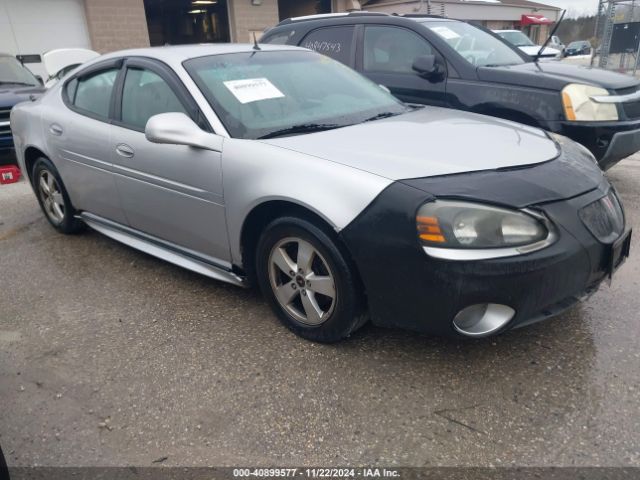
{"type": "Point", "coordinates": [55, 129]}
{"type": "Point", "coordinates": [125, 151]}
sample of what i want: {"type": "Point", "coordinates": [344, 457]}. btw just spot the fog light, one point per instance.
{"type": "Point", "coordinates": [482, 319]}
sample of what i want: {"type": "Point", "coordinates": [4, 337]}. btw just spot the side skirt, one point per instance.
{"type": "Point", "coordinates": [163, 250]}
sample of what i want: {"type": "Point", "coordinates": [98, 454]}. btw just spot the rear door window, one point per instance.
{"type": "Point", "coordinates": [334, 42]}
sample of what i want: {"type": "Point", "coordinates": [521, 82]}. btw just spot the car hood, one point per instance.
{"type": "Point", "coordinates": [11, 94]}
{"type": "Point", "coordinates": [555, 75]}
{"type": "Point", "coordinates": [56, 60]}
{"type": "Point", "coordinates": [534, 49]}
{"type": "Point", "coordinates": [427, 142]}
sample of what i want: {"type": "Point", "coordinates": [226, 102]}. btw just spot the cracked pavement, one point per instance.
{"type": "Point", "coordinates": [110, 357]}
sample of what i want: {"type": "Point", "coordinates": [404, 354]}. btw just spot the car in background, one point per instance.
{"type": "Point", "coordinates": [524, 43]}
{"type": "Point", "coordinates": [556, 43]}
{"type": "Point", "coordinates": [438, 61]}
{"type": "Point", "coordinates": [580, 47]}
{"type": "Point", "coordinates": [17, 84]}
{"type": "Point", "coordinates": [59, 62]}
{"type": "Point", "coordinates": [278, 166]}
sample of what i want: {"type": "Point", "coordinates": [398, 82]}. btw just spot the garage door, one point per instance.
{"type": "Point", "coordinates": [36, 26]}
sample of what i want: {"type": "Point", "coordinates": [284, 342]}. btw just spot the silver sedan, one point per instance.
{"type": "Point", "coordinates": [279, 167]}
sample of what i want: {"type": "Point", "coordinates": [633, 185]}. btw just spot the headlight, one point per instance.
{"type": "Point", "coordinates": [578, 106]}
{"type": "Point", "coordinates": [495, 232]}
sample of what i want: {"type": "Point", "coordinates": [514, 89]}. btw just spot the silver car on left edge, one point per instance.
{"type": "Point", "coordinates": [279, 166]}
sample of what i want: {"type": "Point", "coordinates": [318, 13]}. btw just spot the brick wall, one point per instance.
{"type": "Point", "coordinates": [116, 24]}
{"type": "Point", "coordinates": [246, 18]}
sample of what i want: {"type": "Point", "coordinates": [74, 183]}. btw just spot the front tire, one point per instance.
{"type": "Point", "coordinates": [53, 197]}
{"type": "Point", "coordinates": [309, 281]}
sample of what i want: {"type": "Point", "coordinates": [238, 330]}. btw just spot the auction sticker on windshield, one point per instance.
{"type": "Point", "coordinates": [253, 89]}
{"type": "Point", "coordinates": [445, 32]}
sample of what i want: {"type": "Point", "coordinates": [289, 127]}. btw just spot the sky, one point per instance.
{"type": "Point", "coordinates": [574, 7]}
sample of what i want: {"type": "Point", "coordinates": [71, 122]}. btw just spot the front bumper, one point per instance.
{"type": "Point", "coordinates": [609, 142]}
{"type": "Point", "coordinates": [407, 289]}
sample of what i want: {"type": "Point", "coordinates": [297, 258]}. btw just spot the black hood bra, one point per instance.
{"type": "Point", "coordinates": [574, 172]}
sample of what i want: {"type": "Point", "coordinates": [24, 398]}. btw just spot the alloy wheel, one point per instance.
{"type": "Point", "coordinates": [302, 281]}
{"type": "Point", "coordinates": [51, 195]}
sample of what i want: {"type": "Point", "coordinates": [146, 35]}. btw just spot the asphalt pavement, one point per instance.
{"type": "Point", "coordinates": [111, 357]}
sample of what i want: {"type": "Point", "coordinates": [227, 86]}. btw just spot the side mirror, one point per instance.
{"type": "Point", "coordinates": [40, 81]}
{"type": "Point", "coordinates": [178, 129]}
{"type": "Point", "coordinates": [427, 66]}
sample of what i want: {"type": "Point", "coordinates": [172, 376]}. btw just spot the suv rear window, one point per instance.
{"type": "Point", "coordinates": [334, 42]}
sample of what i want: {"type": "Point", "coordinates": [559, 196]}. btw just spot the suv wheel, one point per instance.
{"type": "Point", "coordinates": [53, 197]}
{"type": "Point", "coordinates": [309, 281]}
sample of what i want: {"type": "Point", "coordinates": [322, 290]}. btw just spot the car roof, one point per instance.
{"type": "Point", "coordinates": [360, 14]}
{"type": "Point", "coordinates": [179, 53]}
{"type": "Point", "coordinates": [328, 16]}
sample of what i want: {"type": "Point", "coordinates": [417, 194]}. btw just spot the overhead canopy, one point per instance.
{"type": "Point", "coordinates": [535, 19]}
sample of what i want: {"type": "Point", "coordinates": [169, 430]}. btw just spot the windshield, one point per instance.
{"type": "Point", "coordinates": [518, 39]}
{"type": "Point", "coordinates": [12, 72]}
{"type": "Point", "coordinates": [577, 45]}
{"type": "Point", "coordinates": [476, 46]}
{"type": "Point", "coordinates": [267, 93]}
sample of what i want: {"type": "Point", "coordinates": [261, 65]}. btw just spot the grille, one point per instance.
{"type": "Point", "coordinates": [5, 128]}
{"type": "Point", "coordinates": [604, 218]}
{"type": "Point", "coordinates": [631, 110]}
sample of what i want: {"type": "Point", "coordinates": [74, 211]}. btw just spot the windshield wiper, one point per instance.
{"type": "Point", "coordinates": [380, 116]}
{"type": "Point", "coordinates": [537, 56]}
{"type": "Point", "coordinates": [302, 128]}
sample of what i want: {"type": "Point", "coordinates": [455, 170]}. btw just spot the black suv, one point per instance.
{"type": "Point", "coordinates": [438, 61]}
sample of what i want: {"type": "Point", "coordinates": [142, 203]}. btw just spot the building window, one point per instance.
{"type": "Point", "coordinates": [299, 8]}
{"type": "Point", "coordinates": [176, 22]}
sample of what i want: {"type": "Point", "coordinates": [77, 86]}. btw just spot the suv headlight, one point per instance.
{"type": "Point", "coordinates": [468, 231]}
{"type": "Point", "coordinates": [578, 106]}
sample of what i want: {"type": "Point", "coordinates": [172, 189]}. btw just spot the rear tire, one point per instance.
{"type": "Point", "coordinates": [309, 281]}
{"type": "Point", "coordinates": [53, 198]}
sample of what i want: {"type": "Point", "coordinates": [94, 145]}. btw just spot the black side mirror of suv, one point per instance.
{"type": "Point", "coordinates": [427, 66]}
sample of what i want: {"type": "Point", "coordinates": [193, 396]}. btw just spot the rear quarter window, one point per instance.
{"type": "Point", "coordinates": [334, 42]}
{"type": "Point", "coordinates": [281, 38]}
{"type": "Point", "coordinates": [92, 94]}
